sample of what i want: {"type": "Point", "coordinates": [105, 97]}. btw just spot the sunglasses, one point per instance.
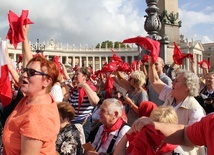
{"type": "Point", "coordinates": [31, 72]}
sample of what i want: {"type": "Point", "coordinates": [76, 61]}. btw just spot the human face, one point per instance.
{"type": "Point", "coordinates": [33, 79]}
{"type": "Point", "coordinates": [106, 118]}
{"type": "Point", "coordinates": [159, 65]}
{"type": "Point", "coordinates": [210, 80]}
{"type": "Point", "coordinates": [79, 77]}
{"type": "Point", "coordinates": [131, 80]}
{"type": "Point", "coordinates": [179, 86]}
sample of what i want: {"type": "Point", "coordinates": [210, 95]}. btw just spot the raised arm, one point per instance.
{"type": "Point", "coordinates": [175, 133]}
{"type": "Point", "coordinates": [120, 79]}
{"type": "Point", "coordinates": [26, 51]}
{"type": "Point", "coordinates": [154, 79]}
{"type": "Point", "coordinates": [92, 95]}
{"type": "Point", "coordinates": [12, 70]}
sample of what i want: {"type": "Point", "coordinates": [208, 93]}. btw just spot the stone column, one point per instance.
{"type": "Point", "coordinates": [80, 61]}
{"type": "Point", "coordinates": [107, 59]}
{"type": "Point", "coordinates": [86, 61]}
{"type": "Point", "coordinates": [126, 59]}
{"type": "Point", "coordinates": [93, 60]}
{"type": "Point", "coordinates": [100, 62]}
{"type": "Point", "coordinates": [73, 61]}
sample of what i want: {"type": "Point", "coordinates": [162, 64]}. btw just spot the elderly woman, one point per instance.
{"type": "Point", "coordinates": [136, 93]}
{"type": "Point", "coordinates": [113, 128]}
{"type": "Point", "coordinates": [71, 137]}
{"type": "Point", "coordinates": [180, 96]}
{"type": "Point", "coordinates": [33, 126]}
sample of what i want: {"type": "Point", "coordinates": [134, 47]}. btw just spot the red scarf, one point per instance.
{"type": "Point", "coordinates": [82, 93]}
{"type": "Point", "coordinates": [114, 127]}
{"type": "Point", "coordinates": [148, 141]}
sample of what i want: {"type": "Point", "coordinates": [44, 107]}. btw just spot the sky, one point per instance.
{"type": "Point", "coordinates": [89, 22]}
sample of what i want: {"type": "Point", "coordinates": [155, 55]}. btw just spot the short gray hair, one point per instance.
{"type": "Point", "coordinates": [114, 105]}
{"type": "Point", "coordinates": [192, 82]}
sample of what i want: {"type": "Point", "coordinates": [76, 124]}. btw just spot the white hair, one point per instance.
{"type": "Point", "coordinates": [114, 105]}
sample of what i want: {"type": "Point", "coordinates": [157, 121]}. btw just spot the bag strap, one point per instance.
{"type": "Point", "coordinates": [111, 145]}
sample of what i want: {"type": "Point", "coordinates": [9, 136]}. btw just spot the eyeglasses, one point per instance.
{"type": "Point", "coordinates": [31, 72]}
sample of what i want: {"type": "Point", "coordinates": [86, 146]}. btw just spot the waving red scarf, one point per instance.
{"type": "Point", "coordinates": [116, 58]}
{"type": "Point", "coordinates": [15, 33]}
{"type": "Point", "coordinates": [204, 62]}
{"type": "Point", "coordinates": [114, 127]}
{"type": "Point", "coordinates": [151, 45]}
{"type": "Point", "coordinates": [148, 142]}
{"type": "Point", "coordinates": [178, 56]}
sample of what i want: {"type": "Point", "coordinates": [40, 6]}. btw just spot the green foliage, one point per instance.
{"type": "Point", "coordinates": [110, 44]}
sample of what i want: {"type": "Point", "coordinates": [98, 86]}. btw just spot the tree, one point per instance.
{"type": "Point", "coordinates": [110, 44]}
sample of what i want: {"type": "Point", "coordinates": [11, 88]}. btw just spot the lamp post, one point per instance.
{"type": "Point", "coordinates": [38, 48]}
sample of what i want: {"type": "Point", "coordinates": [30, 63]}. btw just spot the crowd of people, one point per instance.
{"type": "Point", "coordinates": [111, 112]}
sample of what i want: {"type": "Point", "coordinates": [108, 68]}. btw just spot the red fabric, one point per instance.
{"type": "Point", "coordinates": [148, 142]}
{"type": "Point", "coordinates": [108, 86]}
{"type": "Point", "coordinates": [20, 58]}
{"type": "Point", "coordinates": [109, 67]}
{"type": "Point", "coordinates": [114, 127]}
{"type": "Point", "coordinates": [202, 133]}
{"type": "Point", "coordinates": [5, 84]}
{"type": "Point", "coordinates": [145, 58]}
{"type": "Point", "coordinates": [145, 108]}
{"type": "Point", "coordinates": [178, 56]}
{"type": "Point", "coordinates": [125, 67]}
{"type": "Point", "coordinates": [134, 65]}
{"type": "Point", "coordinates": [75, 68]}
{"type": "Point", "coordinates": [57, 62]}
{"type": "Point", "coordinates": [82, 93]}
{"type": "Point", "coordinates": [204, 61]}
{"type": "Point", "coordinates": [149, 44]}
{"type": "Point", "coordinates": [116, 58]}
{"type": "Point", "coordinates": [15, 33]}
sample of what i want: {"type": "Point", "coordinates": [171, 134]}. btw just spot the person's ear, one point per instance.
{"type": "Point", "coordinates": [47, 82]}
{"type": "Point", "coordinates": [116, 114]}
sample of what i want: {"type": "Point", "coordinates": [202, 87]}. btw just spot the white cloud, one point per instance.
{"type": "Point", "coordinates": [197, 25]}
{"type": "Point", "coordinates": [206, 39]}
{"type": "Point", "coordinates": [78, 22]}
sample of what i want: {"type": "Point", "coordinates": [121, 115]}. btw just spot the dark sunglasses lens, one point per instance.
{"type": "Point", "coordinates": [31, 72]}
{"type": "Point", "coordinates": [23, 70]}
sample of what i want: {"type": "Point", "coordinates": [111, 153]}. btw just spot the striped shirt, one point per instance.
{"type": "Point", "coordinates": [85, 108]}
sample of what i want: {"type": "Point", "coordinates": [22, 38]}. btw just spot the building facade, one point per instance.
{"type": "Point", "coordinates": [81, 56]}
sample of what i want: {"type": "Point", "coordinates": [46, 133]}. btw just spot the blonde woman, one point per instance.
{"type": "Point", "coordinates": [136, 93]}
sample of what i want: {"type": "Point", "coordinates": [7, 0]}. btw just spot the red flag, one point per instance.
{"type": "Point", "coordinates": [178, 56]}
{"type": "Point", "coordinates": [15, 33]}
{"type": "Point", "coordinates": [5, 84]}
{"type": "Point", "coordinates": [151, 45]}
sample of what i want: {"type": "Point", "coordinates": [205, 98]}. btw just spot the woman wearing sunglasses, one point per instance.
{"type": "Point", "coordinates": [33, 126]}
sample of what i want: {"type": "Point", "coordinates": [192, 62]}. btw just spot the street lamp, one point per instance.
{"type": "Point", "coordinates": [38, 48]}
